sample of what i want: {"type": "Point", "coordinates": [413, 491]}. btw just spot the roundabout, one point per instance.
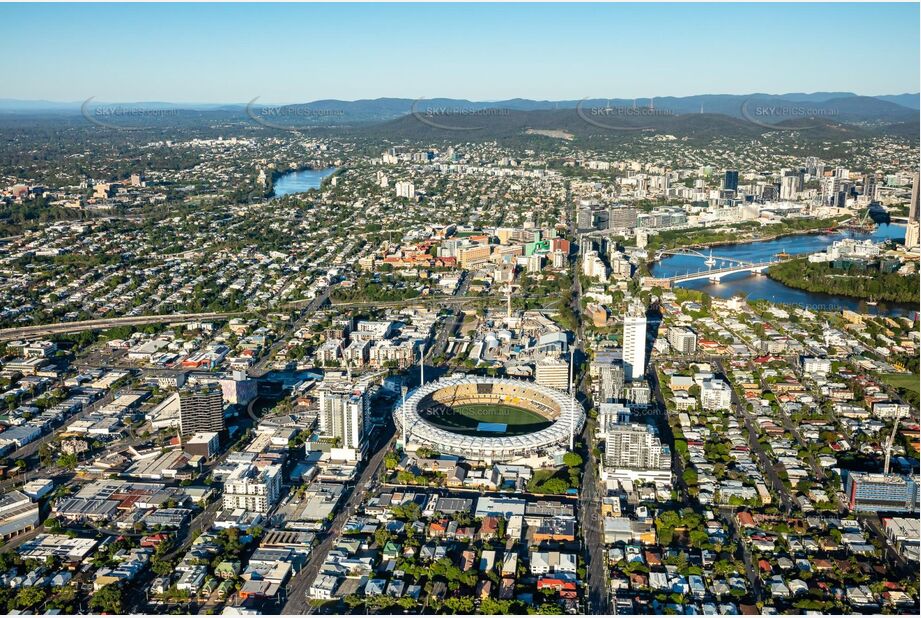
{"type": "Point", "coordinates": [495, 419]}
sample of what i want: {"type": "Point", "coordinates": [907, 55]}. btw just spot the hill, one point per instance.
{"type": "Point", "coordinates": [615, 125]}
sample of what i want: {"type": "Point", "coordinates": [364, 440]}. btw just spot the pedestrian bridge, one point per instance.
{"type": "Point", "coordinates": [710, 259]}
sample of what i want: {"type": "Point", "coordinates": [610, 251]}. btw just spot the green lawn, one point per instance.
{"type": "Point", "coordinates": [908, 381]}
{"type": "Point", "coordinates": [465, 419]}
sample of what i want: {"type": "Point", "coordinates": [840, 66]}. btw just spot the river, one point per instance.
{"type": "Point", "coordinates": [300, 181]}
{"type": "Point", "coordinates": [761, 287]}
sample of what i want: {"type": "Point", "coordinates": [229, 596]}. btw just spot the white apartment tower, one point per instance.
{"type": "Point", "coordinates": [342, 416]}
{"type": "Point", "coordinates": [635, 341]}
{"type": "Point", "coordinates": [252, 488]}
{"type": "Point", "coordinates": [633, 446]}
{"type": "Point", "coordinates": [406, 189]}
{"type": "Point", "coordinates": [682, 340]}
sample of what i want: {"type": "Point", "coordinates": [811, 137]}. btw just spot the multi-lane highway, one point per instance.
{"type": "Point", "coordinates": [63, 328]}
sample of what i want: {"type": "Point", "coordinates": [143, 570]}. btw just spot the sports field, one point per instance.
{"type": "Point", "coordinates": [466, 419]}
{"type": "Point", "coordinates": [907, 381]}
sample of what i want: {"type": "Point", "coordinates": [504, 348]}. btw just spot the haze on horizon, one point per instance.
{"type": "Point", "coordinates": [298, 53]}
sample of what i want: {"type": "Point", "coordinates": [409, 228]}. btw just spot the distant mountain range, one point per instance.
{"type": "Point", "coordinates": [822, 114]}
{"type": "Point", "coordinates": [390, 108]}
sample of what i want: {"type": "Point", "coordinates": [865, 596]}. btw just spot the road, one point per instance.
{"type": "Point", "coordinates": [894, 559]}
{"type": "Point", "coordinates": [591, 492]}
{"type": "Point", "coordinates": [666, 431]}
{"type": "Point", "coordinates": [451, 323]}
{"type": "Point", "coordinates": [593, 530]}
{"type": "Point", "coordinates": [136, 597]}
{"type": "Point", "coordinates": [43, 330]}
{"type": "Point", "coordinates": [18, 540]}
{"type": "Point", "coordinates": [789, 426]}
{"type": "Point", "coordinates": [299, 585]}
{"type": "Point", "coordinates": [767, 466]}
{"type": "Point", "coordinates": [742, 551]}
{"type": "Point", "coordinates": [454, 492]}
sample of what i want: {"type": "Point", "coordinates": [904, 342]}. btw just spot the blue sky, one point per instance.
{"type": "Point", "coordinates": [286, 53]}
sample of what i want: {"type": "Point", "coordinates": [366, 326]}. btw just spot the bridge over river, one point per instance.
{"type": "Point", "coordinates": [730, 266]}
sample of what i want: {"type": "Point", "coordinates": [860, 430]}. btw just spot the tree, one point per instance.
{"type": "Point", "coordinates": [391, 460]}
{"type": "Point", "coordinates": [29, 597]}
{"type": "Point", "coordinates": [546, 609]}
{"type": "Point", "coordinates": [353, 600]}
{"type": "Point", "coordinates": [410, 511]}
{"type": "Point", "coordinates": [460, 604]}
{"type": "Point", "coordinates": [68, 461]}
{"type": "Point", "coordinates": [573, 460]}
{"type": "Point", "coordinates": [108, 599]}
{"type": "Point", "coordinates": [161, 567]}
{"type": "Point", "coordinates": [698, 538]}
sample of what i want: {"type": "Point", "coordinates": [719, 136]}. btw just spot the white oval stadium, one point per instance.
{"type": "Point", "coordinates": [558, 412]}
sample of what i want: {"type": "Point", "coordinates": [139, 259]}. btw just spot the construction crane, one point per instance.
{"type": "Point", "coordinates": [348, 365]}
{"type": "Point", "coordinates": [889, 442]}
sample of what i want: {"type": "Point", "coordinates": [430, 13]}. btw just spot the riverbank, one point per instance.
{"type": "Point", "coordinates": [800, 274]}
{"type": "Point", "coordinates": [778, 236]}
{"type": "Point", "coordinates": [686, 238]}
{"type": "Point", "coordinates": [757, 287]}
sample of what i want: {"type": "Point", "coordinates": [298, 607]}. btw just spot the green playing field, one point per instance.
{"type": "Point", "coordinates": [466, 419]}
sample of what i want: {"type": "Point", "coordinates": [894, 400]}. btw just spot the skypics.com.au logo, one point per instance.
{"type": "Point", "coordinates": [125, 116]}
{"type": "Point", "coordinates": [440, 117]}
{"type": "Point", "coordinates": [290, 117]}
{"type": "Point", "coordinates": [768, 116]}
{"type": "Point", "coordinates": [621, 117]}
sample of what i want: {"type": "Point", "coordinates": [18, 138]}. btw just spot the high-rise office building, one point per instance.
{"type": "Point", "coordinates": [869, 187]}
{"type": "Point", "coordinates": [342, 416]}
{"type": "Point", "coordinates": [790, 185]}
{"type": "Point", "coordinates": [201, 409]}
{"type": "Point", "coordinates": [609, 380]}
{"type": "Point", "coordinates": [635, 341]}
{"type": "Point", "coordinates": [620, 216]}
{"type": "Point", "coordinates": [915, 197]}
{"type": "Point", "coordinates": [553, 372]}
{"type": "Point", "coordinates": [238, 389]}
{"type": "Point", "coordinates": [811, 164]}
{"type": "Point", "coordinates": [731, 180]}
{"type": "Point", "coordinates": [611, 414]}
{"type": "Point", "coordinates": [912, 235]}
{"type": "Point", "coordinates": [584, 219]}
{"type": "Point", "coordinates": [913, 229]}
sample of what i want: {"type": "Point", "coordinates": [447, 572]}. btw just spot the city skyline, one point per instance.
{"type": "Point", "coordinates": [556, 52]}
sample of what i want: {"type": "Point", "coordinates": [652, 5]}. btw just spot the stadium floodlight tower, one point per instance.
{"type": "Point", "coordinates": [422, 364]}
{"type": "Point", "coordinates": [404, 390]}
